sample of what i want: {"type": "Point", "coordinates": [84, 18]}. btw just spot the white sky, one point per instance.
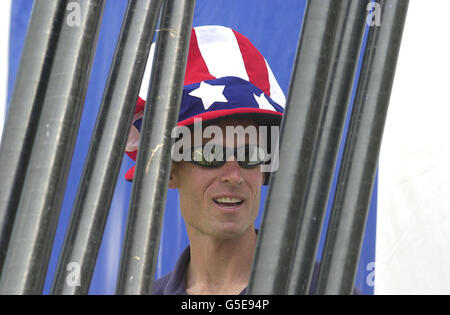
{"type": "Point", "coordinates": [413, 217]}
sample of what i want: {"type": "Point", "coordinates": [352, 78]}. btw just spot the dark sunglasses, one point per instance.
{"type": "Point", "coordinates": [210, 155]}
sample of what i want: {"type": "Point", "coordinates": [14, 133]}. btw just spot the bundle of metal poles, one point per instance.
{"type": "Point", "coordinates": [45, 110]}
{"type": "Point", "coordinates": [318, 95]}
{"type": "Point", "coordinates": [61, 68]}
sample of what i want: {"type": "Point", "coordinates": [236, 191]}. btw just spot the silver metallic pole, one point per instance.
{"type": "Point", "coordinates": [25, 108]}
{"type": "Point", "coordinates": [154, 160]}
{"type": "Point", "coordinates": [95, 192]}
{"type": "Point", "coordinates": [38, 210]}
{"type": "Point", "coordinates": [276, 239]}
{"type": "Point", "coordinates": [346, 49]}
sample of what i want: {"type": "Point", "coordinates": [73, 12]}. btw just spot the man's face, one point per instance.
{"type": "Point", "coordinates": [220, 202]}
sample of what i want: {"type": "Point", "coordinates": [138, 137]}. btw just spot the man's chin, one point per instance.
{"type": "Point", "coordinates": [231, 232]}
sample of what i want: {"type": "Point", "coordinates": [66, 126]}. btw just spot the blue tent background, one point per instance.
{"type": "Point", "coordinates": [273, 26]}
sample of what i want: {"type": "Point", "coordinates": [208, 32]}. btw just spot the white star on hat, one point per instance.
{"type": "Point", "coordinates": [209, 94]}
{"type": "Point", "coordinates": [263, 103]}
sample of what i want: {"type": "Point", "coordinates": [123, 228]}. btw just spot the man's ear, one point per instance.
{"type": "Point", "coordinates": [173, 180]}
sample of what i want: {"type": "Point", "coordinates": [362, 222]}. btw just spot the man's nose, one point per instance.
{"type": "Point", "coordinates": [231, 172]}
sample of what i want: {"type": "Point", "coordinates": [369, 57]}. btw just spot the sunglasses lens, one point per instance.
{"type": "Point", "coordinates": [213, 155]}
{"type": "Point", "coordinates": [250, 156]}
{"type": "Point", "coordinates": [208, 156]}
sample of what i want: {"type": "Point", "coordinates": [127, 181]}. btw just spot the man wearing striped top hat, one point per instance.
{"type": "Point", "coordinates": [225, 148]}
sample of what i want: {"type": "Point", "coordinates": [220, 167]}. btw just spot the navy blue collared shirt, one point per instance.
{"type": "Point", "coordinates": [174, 283]}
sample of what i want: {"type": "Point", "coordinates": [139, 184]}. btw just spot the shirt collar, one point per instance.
{"type": "Point", "coordinates": [176, 285]}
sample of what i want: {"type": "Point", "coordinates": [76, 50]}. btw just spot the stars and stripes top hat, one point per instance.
{"type": "Point", "coordinates": [226, 76]}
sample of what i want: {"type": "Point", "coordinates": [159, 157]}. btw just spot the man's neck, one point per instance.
{"type": "Point", "coordinates": [220, 266]}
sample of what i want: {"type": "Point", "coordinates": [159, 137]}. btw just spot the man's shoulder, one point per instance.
{"type": "Point", "coordinates": [160, 284]}
{"type": "Point", "coordinates": [173, 282]}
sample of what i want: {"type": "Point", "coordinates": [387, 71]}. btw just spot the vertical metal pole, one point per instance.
{"type": "Point", "coordinates": [24, 110]}
{"type": "Point", "coordinates": [359, 162]}
{"type": "Point", "coordinates": [275, 248]}
{"type": "Point", "coordinates": [344, 62]}
{"type": "Point", "coordinates": [150, 182]}
{"type": "Point", "coordinates": [91, 208]}
{"type": "Point", "coordinates": [31, 241]}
